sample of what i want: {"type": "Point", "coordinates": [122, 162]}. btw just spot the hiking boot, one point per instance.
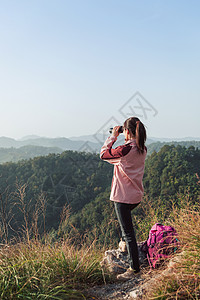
{"type": "Point", "coordinates": [129, 274]}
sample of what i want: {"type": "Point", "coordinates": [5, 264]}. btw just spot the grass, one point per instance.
{"type": "Point", "coordinates": [38, 271]}
{"type": "Point", "coordinates": [40, 268]}
{"type": "Point", "coordinates": [43, 269]}
{"type": "Point", "coordinates": [182, 280]}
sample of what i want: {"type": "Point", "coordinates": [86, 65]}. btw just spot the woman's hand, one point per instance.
{"type": "Point", "coordinates": [115, 131]}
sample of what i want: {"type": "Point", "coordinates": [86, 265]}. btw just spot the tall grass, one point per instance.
{"type": "Point", "coordinates": [148, 215]}
{"type": "Point", "coordinates": [46, 271]}
{"type": "Point", "coordinates": [35, 267]}
{"type": "Point", "coordinates": [39, 268]}
{"type": "Point", "coordinates": [182, 278]}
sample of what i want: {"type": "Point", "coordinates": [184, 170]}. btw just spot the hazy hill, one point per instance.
{"type": "Point", "coordinates": [25, 152]}
{"type": "Point", "coordinates": [12, 150]}
{"type": "Point", "coordinates": [100, 138]}
{"type": "Point", "coordinates": [32, 146]}
{"type": "Point", "coordinates": [93, 142]}
{"type": "Point", "coordinates": [30, 137]}
{"type": "Point", "coordinates": [62, 143]}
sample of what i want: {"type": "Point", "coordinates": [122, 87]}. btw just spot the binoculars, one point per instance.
{"type": "Point", "coordinates": [121, 128]}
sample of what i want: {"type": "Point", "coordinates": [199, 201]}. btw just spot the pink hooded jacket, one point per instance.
{"type": "Point", "coordinates": [128, 164]}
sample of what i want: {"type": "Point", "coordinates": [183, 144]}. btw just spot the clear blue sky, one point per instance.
{"type": "Point", "coordinates": [67, 67]}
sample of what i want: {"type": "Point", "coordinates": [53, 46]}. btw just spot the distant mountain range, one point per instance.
{"type": "Point", "coordinates": [101, 137]}
{"type": "Point", "coordinates": [25, 152]}
{"type": "Point", "coordinates": [32, 146]}
{"type": "Point", "coordinates": [81, 143]}
{"type": "Point", "coordinates": [61, 142]}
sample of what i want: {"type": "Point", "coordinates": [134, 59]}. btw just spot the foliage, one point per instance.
{"type": "Point", "coordinates": [69, 178]}
{"type": "Point", "coordinates": [170, 171]}
{"type": "Point", "coordinates": [168, 174]}
{"type": "Point", "coordinates": [156, 146]}
{"type": "Point", "coordinates": [59, 209]}
{"type": "Point", "coordinates": [97, 220]}
{"type": "Point", "coordinates": [81, 181]}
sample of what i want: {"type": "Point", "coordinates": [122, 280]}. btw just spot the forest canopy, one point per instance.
{"type": "Point", "coordinates": [81, 182]}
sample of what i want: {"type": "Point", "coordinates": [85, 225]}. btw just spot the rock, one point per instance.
{"type": "Point", "coordinates": [137, 287]}
{"type": "Point", "coordinates": [117, 260]}
{"type": "Point", "coordinates": [136, 294]}
{"type": "Point", "coordinates": [116, 291]}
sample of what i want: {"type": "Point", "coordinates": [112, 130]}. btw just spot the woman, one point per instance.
{"type": "Point", "coordinates": [127, 188]}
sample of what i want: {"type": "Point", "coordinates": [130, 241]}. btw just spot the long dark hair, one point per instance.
{"type": "Point", "coordinates": [136, 127]}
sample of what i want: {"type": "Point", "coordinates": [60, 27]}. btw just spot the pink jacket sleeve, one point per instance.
{"type": "Point", "coordinates": [111, 155]}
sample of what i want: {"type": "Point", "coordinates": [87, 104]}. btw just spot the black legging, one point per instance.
{"type": "Point", "coordinates": [123, 211]}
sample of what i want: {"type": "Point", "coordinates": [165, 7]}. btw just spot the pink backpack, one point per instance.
{"type": "Point", "coordinates": [161, 243]}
